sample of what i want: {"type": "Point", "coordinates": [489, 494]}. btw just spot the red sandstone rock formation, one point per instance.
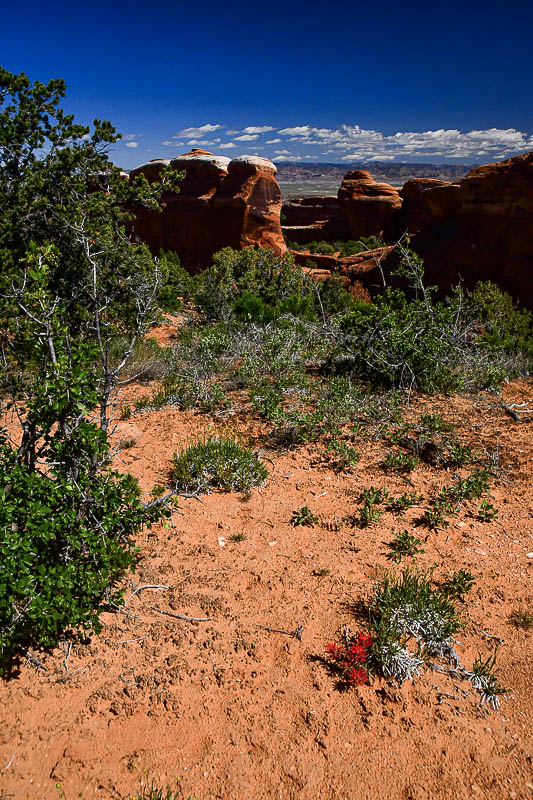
{"type": "Point", "coordinates": [414, 213]}
{"type": "Point", "coordinates": [220, 203]}
{"type": "Point", "coordinates": [370, 207]}
{"type": "Point", "coordinates": [247, 206]}
{"type": "Point", "coordinates": [444, 202]}
{"type": "Point", "coordinates": [369, 269]}
{"type": "Point", "coordinates": [307, 219]}
{"type": "Point", "coordinates": [484, 231]}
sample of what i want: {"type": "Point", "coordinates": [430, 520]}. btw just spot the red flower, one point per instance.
{"type": "Point", "coordinates": [365, 640]}
{"type": "Point", "coordinates": [357, 676]}
{"type": "Point", "coordinates": [334, 651]}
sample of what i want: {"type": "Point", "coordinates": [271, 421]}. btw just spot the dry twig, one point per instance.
{"type": "Point", "coordinates": [181, 616]}
{"type": "Point", "coordinates": [297, 634]}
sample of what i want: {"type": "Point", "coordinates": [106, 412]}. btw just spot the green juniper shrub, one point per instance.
{"type": "Point", "coordinates": [505, 328]}
{"type": "Point", "coordinates": [217, 462]}
{"type": "Point", "coordinates": [177, 286]}
{"type": "Point", "coordinates": [266, 282]}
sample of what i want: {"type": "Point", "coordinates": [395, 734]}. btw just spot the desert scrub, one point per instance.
{"type": "Point", "coordinates": [217, 462]}
{"type": "Point", "coordinates": [406, 607]}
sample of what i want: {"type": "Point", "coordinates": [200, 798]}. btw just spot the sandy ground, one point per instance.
{"type": "Point", "coordinates": [236, 712]}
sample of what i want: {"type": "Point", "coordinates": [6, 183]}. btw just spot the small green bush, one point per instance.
{"type": "Point", "coordinates": [220, 462]}
{"type": "Point", "coordinates": [304, 516]}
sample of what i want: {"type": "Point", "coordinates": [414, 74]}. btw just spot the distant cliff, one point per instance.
{"type": "Point", "coordinates": [293, 172]}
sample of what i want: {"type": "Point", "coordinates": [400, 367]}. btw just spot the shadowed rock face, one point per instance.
{"type": "Point", "coordinates": [369, 207]}
{"type": "Point", "coordinates": [484, 230]}
{"type": "Point", "coordinates": [415, 213]}
{"type": "Point", "coordinates": [314, 218]}
{"type": "Point", "coordinates": [220, 203]}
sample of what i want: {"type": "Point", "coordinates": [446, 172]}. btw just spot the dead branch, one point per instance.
{"type": "Point", "coordinates": [511, 410]}
{"type": "Point", "coordinates": [296, 634]}
{"type": "Point", "coordinates": [33, 658]}
{"type": "Point", "coordinates": [146, 586]}
{"type": "Point", "coordinates": [137, 639]}
{"type": "Point", "coordinates": [181, 616]}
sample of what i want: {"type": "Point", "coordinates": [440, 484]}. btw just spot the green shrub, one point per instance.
{"type": "Point", "coordinates": [458, 584]}
{"type": "Point", "coordinates": [177, 285]}
{"type": "Point", "coordinates": [400, 342]}
{"type": "Point", "coordinates": [255, 274]}
{"type": "Point", "coordinates": [407, 606]}
{"type": "Point", "coordinates": [505, 327]}
{"type": "Point", "coordinates": [218, 461]}
{"type": "Point", "coordinates": [63, 542]}
{"type": "Point", "coordinates": [399, 462]}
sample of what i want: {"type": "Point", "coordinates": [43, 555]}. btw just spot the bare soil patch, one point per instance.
{"type": "Point", "coordinates": [234, 711]}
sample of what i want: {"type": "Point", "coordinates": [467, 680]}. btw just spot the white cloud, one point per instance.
{"type": "Point", "coordinates": [200, 142]}
{"type": "Point", "coordinates": [247, 137]}
{"type": "Point", "coordinates": [227, 145]}
{"type": "Point", "coordinates": [132, 144]}
{"type": "Point", "coordinates": [129, 136]}
{"type": "Point", "coordinates": [172, 144]}
{"type": "Point", "coordinates": [203, 129]}
{"type": "Point", "coordinates": [362, 144]}
{"type": "Point", "coordinates": [299, 130]}
{"type": "Point", "coordinates": [282, 152]}
{"type": "Point", "coordinates": [257, 129]}
{"type": "Point", "coordinates": [273, 141]}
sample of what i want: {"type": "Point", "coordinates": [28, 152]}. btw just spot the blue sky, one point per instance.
{"type": "Point", "coordinates": [307, 81]}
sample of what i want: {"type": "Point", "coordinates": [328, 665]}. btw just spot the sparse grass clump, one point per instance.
{"type": "Point", "coordinates": [522, 618]}
{"type": "Point", "coordinates": [217, 462]}
{"type": "Point", "coordinates": [154, 792]}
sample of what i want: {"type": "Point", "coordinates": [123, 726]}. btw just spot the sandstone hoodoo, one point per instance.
{"type": "Point", "coordinates": [247, 205]}
{"type": "Point", "coordinates": [369, 207]}
{"type": "Point", "coordinates": [221, 202]}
